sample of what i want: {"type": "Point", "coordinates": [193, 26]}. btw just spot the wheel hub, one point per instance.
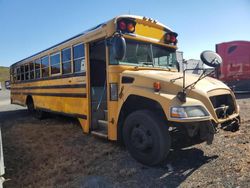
{"type": "Point", "coordinates": [141, 139]}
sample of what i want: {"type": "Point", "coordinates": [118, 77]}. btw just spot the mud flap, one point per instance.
{"type": "Point", "coordinates": [207, 131]}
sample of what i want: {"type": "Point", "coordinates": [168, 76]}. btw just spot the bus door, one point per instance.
{"type": "Point", "coordinates": [98, 88]}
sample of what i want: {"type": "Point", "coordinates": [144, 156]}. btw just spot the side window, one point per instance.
{"type": "Point", "coordinates": [26, 74]}
{"type": "Point", "coordinates": [66, 61]}
{"type": "Point", "coordinates": [22, 72]}
{"type": "Point", "coordinates": [231, 49]}
{"type": "Point", "coordinates": [45, 66]}
{"type": "Point", "coordinates": [37, 68]}
{"type": "Point", "coordinates": [31, 65]}
{"type": "Point", "coordinates": [18, 73]}
{"type": "Point", "coordinates": [32, 71]}
{"type": "Point", "coordinates": [55, 63]}
{"type": "Point", "coordinates": [79, 59]}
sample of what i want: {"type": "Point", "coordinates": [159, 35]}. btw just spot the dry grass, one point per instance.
{"type": "Point", "coordinates": [55, 153]}
{"type": "Point", "coordinates": [4, 74]}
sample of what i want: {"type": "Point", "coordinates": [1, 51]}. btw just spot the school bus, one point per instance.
{"type": "Point", "coordinates": [121, 80]}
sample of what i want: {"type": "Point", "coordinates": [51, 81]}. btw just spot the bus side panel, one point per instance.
{"type": "Point", "coordinates": [63, 95]}
{"type": "Point", "coordinates": [68, 105]}
{"type": "Point", "coordinates": [17, 98]}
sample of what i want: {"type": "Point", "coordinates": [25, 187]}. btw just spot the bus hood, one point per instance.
{"type": "Point", "coordinates": [172, 82]}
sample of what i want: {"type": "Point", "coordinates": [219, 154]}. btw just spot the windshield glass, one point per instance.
{"type": "Point", "coordinates": [147, 54]}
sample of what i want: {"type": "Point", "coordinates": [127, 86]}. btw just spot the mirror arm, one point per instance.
{"type": "Point", "coordinates": [182, 96]}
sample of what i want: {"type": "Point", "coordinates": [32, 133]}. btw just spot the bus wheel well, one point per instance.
{"type": "Point", "coordinates": [29, 99]}
{"type": "Point", "coordinates": [30, 103]}
{"type": "Point", "coordinates": [135, 103]}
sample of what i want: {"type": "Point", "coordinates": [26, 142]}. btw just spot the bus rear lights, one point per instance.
{"type": "Point", "coordinates": [171, 38]}
{"type": "Point", "coordinates": [157, 86]}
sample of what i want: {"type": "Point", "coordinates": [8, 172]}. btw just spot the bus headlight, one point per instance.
{"type": "Point", "coordinates": [188, 112]}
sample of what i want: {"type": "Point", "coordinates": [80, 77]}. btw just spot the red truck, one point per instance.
{"type": "Point", "coordinates": [235, 69]}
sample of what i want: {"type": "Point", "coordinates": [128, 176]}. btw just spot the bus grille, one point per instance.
{"type": "Point", "coordinates": [223, 105]}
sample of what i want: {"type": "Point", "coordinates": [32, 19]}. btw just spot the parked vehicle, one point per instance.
{"type": "Point", "coordinates": [235, 68]}
{"type": "Point", "coordinates": [7, 84]}
{"type": "Point", "coordinates": [121, 80]}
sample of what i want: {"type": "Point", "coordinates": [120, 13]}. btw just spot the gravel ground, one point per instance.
{"type": "Point", "coordinates": [55, 153]}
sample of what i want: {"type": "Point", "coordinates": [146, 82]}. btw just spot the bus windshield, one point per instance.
{"type": "Point", "coordinates": [147, 54]}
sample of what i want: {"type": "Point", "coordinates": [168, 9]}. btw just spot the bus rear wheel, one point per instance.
{"type": "Point", "coordinates": [146, 137]}
{"type": "Point", "coordinates": [30, 105]}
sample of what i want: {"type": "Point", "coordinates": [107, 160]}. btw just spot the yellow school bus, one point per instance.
{"type": "Point", "coordinates": [121, 80]}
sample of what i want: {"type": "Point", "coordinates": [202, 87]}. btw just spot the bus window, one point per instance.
{"type": "Point", "coordinates": [37, 68]}
{"type": "Point", "coordinates": [45, 66]}
{"type": "Point", "coordinates": [31, 71]}
{"type": "Point", "coordinates": [66, 61]}
{"type": "Point", "coordinates": [22, 72]}
{"type": "Point", "coordinates": [18, 74]}
{"type": "Point", "coordinates": [55, 63]}
{"type": "Point", "coordinates": [26, 67]}
{"type": "Point", "coordinates": [78, 54]}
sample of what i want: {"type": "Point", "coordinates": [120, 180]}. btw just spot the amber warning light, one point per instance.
{"type": "Point", "coordinates": [157, 86]}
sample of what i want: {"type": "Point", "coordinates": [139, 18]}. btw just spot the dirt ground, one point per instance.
{"type": "Point", "coordinates": [55, 153]}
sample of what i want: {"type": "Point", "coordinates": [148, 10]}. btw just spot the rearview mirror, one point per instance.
{"type": "Point", "coordinates": [211, 58]}
{"type": "Point", "coordinates": [119, 47]}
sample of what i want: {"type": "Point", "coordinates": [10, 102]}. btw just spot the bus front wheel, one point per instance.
{"type": "Point", "coordinates": [146, 137]}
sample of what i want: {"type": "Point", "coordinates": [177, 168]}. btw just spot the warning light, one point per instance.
{"type": "Point", "coordinates": [126, 25]}
{"type": "Point", "coordinates": [171, 38]}
{"type": "Point", "coordinates": [157, 86]}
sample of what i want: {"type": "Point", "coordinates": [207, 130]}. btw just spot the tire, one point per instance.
{"type": "Point", "coordinates": [146, 137]}
{"type": "Point", "coordinates": [30, 105]}
{"type": "Point", "coordinates": [39, 114]}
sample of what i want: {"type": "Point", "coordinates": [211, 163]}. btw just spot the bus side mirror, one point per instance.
{"type": "Point", "coordinates": [211, 58]}
{"type": "Point", "coordinates": [119, 47]}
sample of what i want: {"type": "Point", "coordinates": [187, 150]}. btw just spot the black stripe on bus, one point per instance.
{"type": "Point", "coordinates": [53, 77]}
{"type": "Point", "coordinates": [63, 113]}
{"type": "Point", "coordinates": [52, 87]}
{"type": "Point", "coordinates": [76, 95]}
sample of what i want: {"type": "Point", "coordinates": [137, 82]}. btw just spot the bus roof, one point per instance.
{"type": "Point", "coordinates": [90, 30]}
